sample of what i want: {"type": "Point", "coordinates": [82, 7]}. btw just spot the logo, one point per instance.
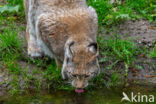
{"type": "Point", "coordinates": [137, 97]}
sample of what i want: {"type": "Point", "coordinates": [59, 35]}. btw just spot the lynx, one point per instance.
{"type": "Point", "coordinates": [65, 30]}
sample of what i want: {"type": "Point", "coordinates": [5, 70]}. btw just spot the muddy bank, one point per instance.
{"type": "Point", "coordinates": [140, 31]}
{"type": "Point", "coordinates": [143, 34]}
{"type": "Point", "coordinates": [145, 75]}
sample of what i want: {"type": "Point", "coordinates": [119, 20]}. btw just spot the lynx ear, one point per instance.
{"type": "Point", "coordinates": [68, 50]}
{"type": "Point", "coordinates": [93, 47]}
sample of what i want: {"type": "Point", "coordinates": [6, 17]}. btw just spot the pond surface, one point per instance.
{"type": "Point", "coordinates": [104, 96]}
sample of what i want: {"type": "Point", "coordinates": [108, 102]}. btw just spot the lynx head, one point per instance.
{"type": "Point", "coordinates": [80, 62]}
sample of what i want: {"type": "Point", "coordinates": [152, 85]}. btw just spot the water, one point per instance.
{"type": "Point", "coordinates": [104, 96]}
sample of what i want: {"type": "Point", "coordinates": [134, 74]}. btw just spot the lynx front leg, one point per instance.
{"type": "Point", "coordinates": [33, 49]}
{"type": "Point", "coordinates": [58, 62]}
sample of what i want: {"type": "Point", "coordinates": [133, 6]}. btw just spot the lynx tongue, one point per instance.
{"type": "Point", "coordinates": [79, 90]}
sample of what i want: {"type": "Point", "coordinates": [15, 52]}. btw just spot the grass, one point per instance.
{"type": "Point", "coordinates": [11, 53]}
{"type": "Point", "coordinates": [113, 14]}
{"type": "Point", "coordinates": [118, 50]}
{"type": "Point", "coordinates": [9, 42]}
{"type": "Point", "coordinates": [152, 53]}
{"type": "Point", "coordinates": [113, 50]}
{"type": "Point", "coordinates": [13, 6]}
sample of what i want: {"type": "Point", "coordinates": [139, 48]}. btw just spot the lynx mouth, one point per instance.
{"type": "Point", "coordinates": [79, 90]}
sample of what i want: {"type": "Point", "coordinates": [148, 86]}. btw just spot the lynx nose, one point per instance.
{"type": "Point", "coordinates": [79, 84]}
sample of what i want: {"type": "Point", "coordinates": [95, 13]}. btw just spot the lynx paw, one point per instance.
{"type": "Point", "coordinates": [34, 52]}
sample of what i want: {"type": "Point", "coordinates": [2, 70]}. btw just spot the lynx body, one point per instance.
{"type": "Point", "coordinates": [65, 30]}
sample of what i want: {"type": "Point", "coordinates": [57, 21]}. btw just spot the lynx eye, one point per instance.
{"type": "Point", "coordinates": [86, 76]}
{"type": "Point", "coordinates": [92, 73]}
{"type": "Point", "coordinates": [74, 75]}
{"type": "Point", "coordinates": [92, 62]}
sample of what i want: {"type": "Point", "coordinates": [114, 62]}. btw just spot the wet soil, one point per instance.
{"type": "Point", "coordinates": [140, 31]}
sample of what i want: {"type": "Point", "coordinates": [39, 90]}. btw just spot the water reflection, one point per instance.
{"type": "Point", "coordinates": [103, 96]}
